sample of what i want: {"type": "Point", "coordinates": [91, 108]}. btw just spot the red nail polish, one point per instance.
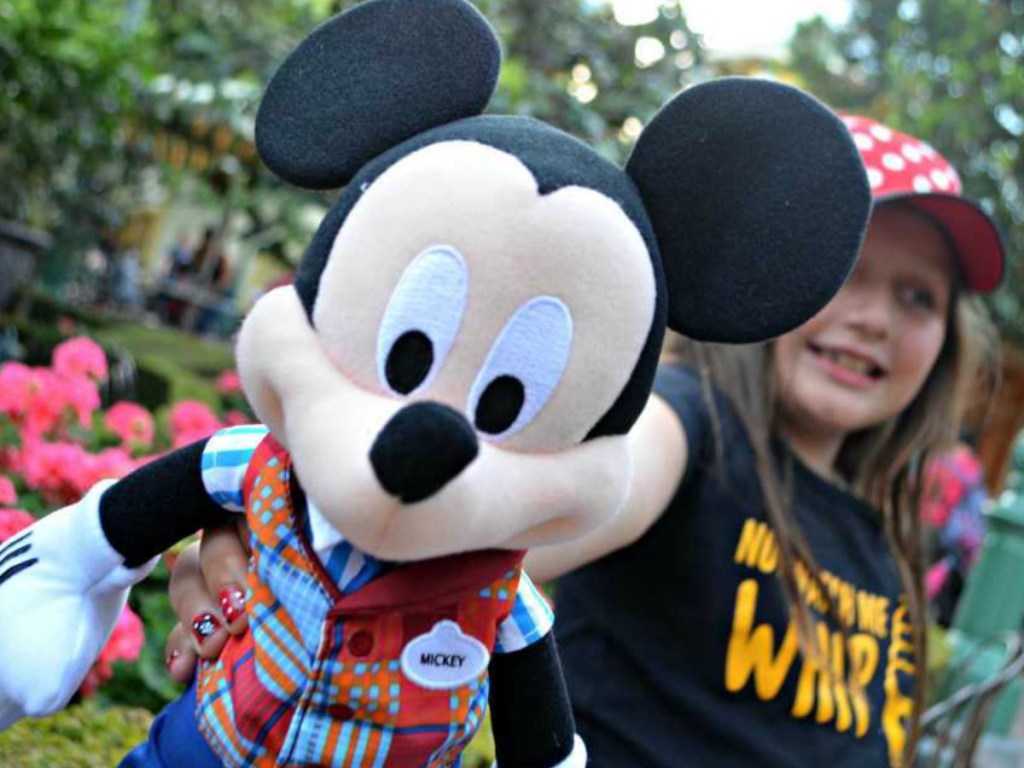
{"type": "Point", "coordinates": [204, 625]}
{"type": "Point", "coordinates": [232, 603]}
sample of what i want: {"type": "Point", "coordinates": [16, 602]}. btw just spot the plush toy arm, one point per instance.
{"type": "Point", "coordinates": [65, 579]}
{"type": "Point", "coordinates": [158, 505]}
{"type": "Point", "coordinates": [530, 712]}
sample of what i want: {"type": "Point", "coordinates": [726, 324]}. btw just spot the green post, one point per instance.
{"type": "Point", "coordinates": [993, 599]}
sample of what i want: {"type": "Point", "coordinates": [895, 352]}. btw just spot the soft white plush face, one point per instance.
{"type": "Point", "coordinates": [552, 295]}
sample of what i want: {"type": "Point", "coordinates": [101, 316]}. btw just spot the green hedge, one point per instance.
{"type": "Point", "coordinates": [170, 366]}
{"type": "Point", "coordinates": [83, 736]}
{"type": "Point", "coordinates": [87, 736]}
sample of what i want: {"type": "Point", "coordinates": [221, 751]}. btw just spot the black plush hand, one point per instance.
{"type": "Point", "coordinates": [530, 712]}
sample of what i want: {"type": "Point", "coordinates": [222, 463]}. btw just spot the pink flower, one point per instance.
{"type": "Point", "coordinates": [236, 419]}
{"type": "Point", "coordinates": [935, 578]}
{"type": "Point", "coordinates": [83, 397]}
{"type": "Point", "coordinates": [32, 397]}
{"type": "Point", "coordinates": [191, 421]}
{"type": "Point", "coordinates": [112, 463]}
{"type": "Point", "coordinates": [15, 381]}
{"type": "Point", "coordinates": [132, 423]}
{"type": "Point", "coordinates": [7, 493]}
{"type": "Point", "coordinates": [60, 471]}
{"type": "Point", "coordinates": [127, 639]}
{"type": "Point", "coordinates": [125, 644]}
{"type": "Point", "coordinates": [10, 459]}
{"type": "Point", "coordinates": [229, 383]}
{"type": "Point", "coordinates": [12, 521]}
{"type": "Point", "coordinates": [80, 357]}
{"type": "Point", "coordinates": [45, 403]}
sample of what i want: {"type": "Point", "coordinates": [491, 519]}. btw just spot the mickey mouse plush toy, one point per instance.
{"type": "Point", "coordinates": [451, 380]}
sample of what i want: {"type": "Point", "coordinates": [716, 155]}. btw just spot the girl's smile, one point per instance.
{"type": "Point", "coordinates": [848, 366]}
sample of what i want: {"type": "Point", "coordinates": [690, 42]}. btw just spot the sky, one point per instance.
{"type": "Point", "coordinates": [741, 26]}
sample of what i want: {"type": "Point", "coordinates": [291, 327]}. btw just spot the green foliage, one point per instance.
{"type": "Point", "coordinates": [84, 736]}
{"type": "Point", "coordinates": [555, 50]}
{"type": "Point", "coordinates": [86, 87]}
{"type": "Point", "coordinates": [68, 74]}
{"type": "Point", "coordinates": [202, 356]}
{"type": "Point", "coordinates": [949, 72]}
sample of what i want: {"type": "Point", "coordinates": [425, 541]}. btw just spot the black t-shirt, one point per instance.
{"type": "Point", "coordinates": [678, 649]}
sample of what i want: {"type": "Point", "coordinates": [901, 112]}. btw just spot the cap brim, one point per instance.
{"type": "Point", "coordinates": [974, 236]}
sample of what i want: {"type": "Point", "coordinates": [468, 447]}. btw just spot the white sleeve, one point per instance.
{"type": "Point", "coordinates": [530, 620]}
{"type": "Point", "coordinates": [226, 458]}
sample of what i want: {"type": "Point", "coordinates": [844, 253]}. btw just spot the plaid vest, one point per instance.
{"type": "Point", "coordinates": [317, 679]}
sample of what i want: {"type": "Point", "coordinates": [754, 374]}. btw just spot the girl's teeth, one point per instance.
{"type": "Point", "coordinates": [855, 364]}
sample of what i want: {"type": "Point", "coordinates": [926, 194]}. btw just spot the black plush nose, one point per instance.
{"type": "Point", "coordinates": [420, 449]}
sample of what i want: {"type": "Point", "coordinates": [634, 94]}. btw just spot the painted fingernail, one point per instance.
{"type": "Point", "coordinates": [204, 625]}
{"type": "Point", "coordinates": [172, 657]}
{"type": "Point", "coordinates": [232, 602]}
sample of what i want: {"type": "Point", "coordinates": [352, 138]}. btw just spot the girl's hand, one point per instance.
{"type": "Point", "coordinates": [207, 592]}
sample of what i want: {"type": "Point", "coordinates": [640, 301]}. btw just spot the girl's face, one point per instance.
{"type": "Point", "coordinates": [866, 355]}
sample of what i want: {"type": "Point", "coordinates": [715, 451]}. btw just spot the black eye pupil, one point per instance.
{"type": "Point", "coordinates": [499, 405]}
{"type": "Point", "coordinates": [409, 361]}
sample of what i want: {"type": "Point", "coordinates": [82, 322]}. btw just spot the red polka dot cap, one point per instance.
{"type": "Point", "coordinates": [901, 167]}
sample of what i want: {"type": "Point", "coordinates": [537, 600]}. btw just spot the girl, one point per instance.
{"type": "Point", "coordinates": [758, 600]}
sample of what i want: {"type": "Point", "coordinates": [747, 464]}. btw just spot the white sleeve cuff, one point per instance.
{"type": "Point", "coordinates": [578, 757]}
{"type": "Point", "coordinates": [575, 759]}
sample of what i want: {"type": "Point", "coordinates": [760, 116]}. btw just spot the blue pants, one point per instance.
{"type": "Point", "coordinates": [174, 739]}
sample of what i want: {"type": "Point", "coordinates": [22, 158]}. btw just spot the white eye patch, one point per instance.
{"type": "Point", "coordinates": [523, 368]}
{"type": "Point", "coordinates": [421, 320]}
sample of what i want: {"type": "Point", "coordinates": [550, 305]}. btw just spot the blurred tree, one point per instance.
{"type": "Point", "coordinates": [66, 77]}
{"type": "Point", "coordinates": [946, 70]}
{"type": "Point", "coordinates": [75, 73]}
{"type": "Point", "coordinates": [569, 63]}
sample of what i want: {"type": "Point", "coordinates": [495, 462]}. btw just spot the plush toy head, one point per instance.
{"type": "Point", "coordinates": [476, 324]}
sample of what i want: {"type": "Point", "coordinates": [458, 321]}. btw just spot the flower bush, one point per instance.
{"type": "Point", "coordinates": [56, 442]}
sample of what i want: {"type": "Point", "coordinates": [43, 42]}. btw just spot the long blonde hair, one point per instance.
{"type": "Point", "coordinates": [882, 465]}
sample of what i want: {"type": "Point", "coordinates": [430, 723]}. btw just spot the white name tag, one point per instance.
{"type": "Point", "coordinates": [444, 658]}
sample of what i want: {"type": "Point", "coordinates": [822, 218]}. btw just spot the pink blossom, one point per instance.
{"type": "Point", "coordinates": [83, 398]}
{"type": "Point", "coordinates": [935, 578]}
{"type": "Point", "coordinates": [7, 493]}
{"type": "Point", "coordinates": [236, 419]}
{"type": "Point", "coordinates": [12, 521]}
{"type": "Point", "coordinates": [80, 356]}
{"type": "Point", "coordinates": [85, 469]}
{"type": "Point", "coordinates": [112, 464]}
{"type": "Point", "coordinates": [125, 644]}
{"type": "Point", "coordinates": [229, 383]}
{"type": "Point", "coordinates": [15, 381]}
{"type": "Point", "coordinates": [60, 471]}
{"type": "Point", "coordinates": [191, 421]}
{"type": "Point", "coordinates": [32, 397]}
{"type": "Point", "coordinates": [132, 423]}
{"type": "Point", "coordinates": [10, 459]}
{"type": "Point", "coordinates": [45, 403]}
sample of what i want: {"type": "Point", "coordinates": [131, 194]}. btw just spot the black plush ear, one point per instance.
{"type": "Point", "coordinates": [371, 78]}
{"type": "Point", "coordinates": [759, 201]}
